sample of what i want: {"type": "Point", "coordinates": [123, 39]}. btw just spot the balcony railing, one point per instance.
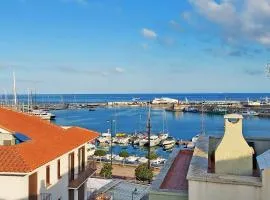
{"type": "Point", "coordinates": [45, 196]}
{"type": "Point", "coordinates": [80, 178]}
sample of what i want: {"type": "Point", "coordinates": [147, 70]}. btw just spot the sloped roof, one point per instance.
{"type": "Point", "coordinates": [48, 141]}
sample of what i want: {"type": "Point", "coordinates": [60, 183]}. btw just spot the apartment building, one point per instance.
{"type": "Point", "coordinates": [42, 161]}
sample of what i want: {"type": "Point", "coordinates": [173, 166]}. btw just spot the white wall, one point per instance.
{"type": "Point", "coordinates": [13, 187]}
{"type": "Point", "coordinates": [199, 190]}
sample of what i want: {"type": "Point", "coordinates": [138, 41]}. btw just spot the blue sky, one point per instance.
{"type": "Point", "coordinates": [133, 46]}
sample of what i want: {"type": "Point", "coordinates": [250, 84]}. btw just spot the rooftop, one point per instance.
{"type": "Point", "coordinates": [198, 170]}
{"type": "Point", "coordinates": [48, 141]}
{"type": "Point", "coordinates": [176, 176]}
{"type": "Point", "coordinates": [172, 177]}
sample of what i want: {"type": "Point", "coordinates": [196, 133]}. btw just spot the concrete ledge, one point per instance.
{"type": "Point", "coordinates": [198, 169]}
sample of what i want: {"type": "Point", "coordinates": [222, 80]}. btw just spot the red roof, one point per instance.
{"type": "Point", "coordinates": [176, 176]}
{"type": "Point", "coordinates": [48, 141]}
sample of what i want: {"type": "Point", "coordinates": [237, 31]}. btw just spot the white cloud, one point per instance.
{"type": "Point", "coordinates": [149, 34]}
{"type": "Point", "coordinates": [119, 70]}
{"type": "Point", "coordinates": [186, 15]}
{"type": "Point", "coordinates": [238, 19]}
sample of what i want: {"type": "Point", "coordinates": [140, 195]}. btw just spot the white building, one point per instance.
{"type": "Point", "coordinates": [47, 162]}
{"type": "Point", "coordinates": [227, 168]}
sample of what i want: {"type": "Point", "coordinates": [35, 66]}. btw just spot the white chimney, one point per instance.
{"type": "Point", "coordinates": [233, 155]}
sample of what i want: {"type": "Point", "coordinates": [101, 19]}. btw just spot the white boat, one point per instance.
{"type": "Point", "coordinates": [154, 140]}
{"type": "Point", "coordinates": [163, 136]}
{"type": "Point", "coordinates": [90, 148]}
{"type": "Point", "coordinates": [118, 158]}
{"type": "Point", "coordinates": [143, 160]}
{"type": "Point", "coordinates": [108, 157]}
{"type": "Point", "coordinates": [104, 138]}
{"type": "Point", "coordinates": [121, 140]}
{"type": "Point", "coordinates": [143, 141]}
{"type": "Point", "coordinates": [43, 114]}
{"type": "Point", "coordinates": [250, 113]}
{"type": "Point", "coordinates": [190, 145]}
{"type": "Point", "coordinates": [132, 159]}
{"type": "Point", "coordinates": [168, 143]}
{"type": "Point", "coordinates": [158, 161]}
{"type": "Point", "coordinates": [195, 138]}
{"type": "Point", "coordinates": [164, 100]}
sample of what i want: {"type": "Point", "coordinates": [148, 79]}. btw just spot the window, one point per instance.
{"type": "Point", "coordinates": [58, 169]}
{"type": "Point", "coordinates": [81, 158]}
{"type": "Point", "coordinates": [48, 182]}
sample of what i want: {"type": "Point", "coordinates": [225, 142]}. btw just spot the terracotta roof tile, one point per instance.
{"type": "Point", "coordinates": [48, 141]}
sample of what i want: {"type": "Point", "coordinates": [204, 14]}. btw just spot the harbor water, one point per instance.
{"type": "Point", "coordinates": [133, 119]}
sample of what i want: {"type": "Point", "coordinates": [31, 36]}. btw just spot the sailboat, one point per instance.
{"type": "Point", "coordinates": [164, 134]}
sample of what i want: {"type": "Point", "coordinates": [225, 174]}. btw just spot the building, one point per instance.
{"type": "Point", "coordinates": [227, 168]}
{"type": "Point", "coordinates": [42, 161]}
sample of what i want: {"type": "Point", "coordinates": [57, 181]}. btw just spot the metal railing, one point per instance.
{"type": "Point", "coordinates": [89, 170]}
{"type": "Point", "coordinates": [45, 196]}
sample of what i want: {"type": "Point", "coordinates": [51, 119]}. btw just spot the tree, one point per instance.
{"type": "Point", "coordinates": [124, 154]}
{"type": "Point", "coordinates": [153, 156]}
{"type": "Point", "coordinates": [142, 173]}
{"type": "Point", "coordinates": [106, 171]}
{"type": "Point", "coordinates": [100, 153]}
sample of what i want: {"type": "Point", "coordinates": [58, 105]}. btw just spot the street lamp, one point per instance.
{"type": "Point", "coordinates": [133, 192]}
{"type": "Point", "coordinates": [111, 121]}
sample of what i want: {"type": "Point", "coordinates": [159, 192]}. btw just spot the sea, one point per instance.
{"type": "Point", "coordinates": [133, 119]}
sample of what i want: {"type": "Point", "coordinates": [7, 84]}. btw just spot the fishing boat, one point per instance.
{"type": "Point", "coordinates": [219, 111]}
{"type": "Point", "coordinates": [191, 109]}
{"type": "Point", "coordinates": [250, 113]}
{"type": "Point", "coordinates": [168, 143]}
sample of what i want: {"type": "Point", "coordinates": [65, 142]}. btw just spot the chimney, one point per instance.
{"type": "Point", "coordinates": [233, 155]}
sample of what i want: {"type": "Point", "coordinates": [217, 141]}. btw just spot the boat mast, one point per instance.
{"type": "Point", "coordinates": [202, 120]}
{"type": "Point", "coordinates": [149, 133]}
{"type": "Point", "coordinates": [14, 90]}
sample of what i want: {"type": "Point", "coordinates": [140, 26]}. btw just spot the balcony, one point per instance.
{"type": "Point", "coordinates": [45, 196]}
{"type": "Point", "coordinates": [89, 170]}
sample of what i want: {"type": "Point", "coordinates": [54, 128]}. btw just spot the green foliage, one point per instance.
{"type": "Point", "coordinates": [124, 154]}
{"type": "Point", "coordinates": [100, 152]}
{"type": "Point", "coordinates": [106, 171]}
{"type": "Point", "coordinates": [153, 156]}
{"type": "Point", "coordinates": [142, 173]}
